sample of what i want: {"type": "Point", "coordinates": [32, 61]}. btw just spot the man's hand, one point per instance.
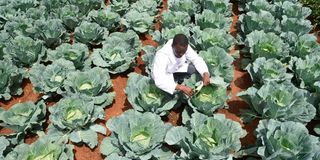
{"type": "Point", "coordinates": [206, 79]}
{"type": "Point", "coordinates": [185, 89]}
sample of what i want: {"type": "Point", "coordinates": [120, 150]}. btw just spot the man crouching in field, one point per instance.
{"type": "Point", "coordinates": [171, 67]}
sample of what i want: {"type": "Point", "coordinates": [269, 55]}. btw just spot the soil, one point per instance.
{"type": "Point", "coordinates": [27, 95]}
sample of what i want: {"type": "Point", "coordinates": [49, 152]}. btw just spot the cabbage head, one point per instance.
{"type": "Point", "coordinates": [263, 71]}
{"type": "Point", "coordinates": [285, 140]}
{"type": "Point", "coordinates": [171, 19]}
{"type": "Point", "coordinates": [305, 45]}
{"type": "Point", "coordinates": [209, 37]}
{"type": "Point", "coordinates": [209, 98]}
{"type": "Point", "coordinates": [91, 84]}
{"type": "Point", "coordinates": [73, 118]}
{"type": "Point", "coordinates": [118, 53]}
{"type": "Point", "coordinates": [188, 6]}
{"type": "Point", "coordinates": [51, 31]}
{"type": "Point", "coordinates": [308, 71]}
{"type": "Point", "coordinates": [49, 79]}
{"type": "Point", "coordinates": [168, 33]}
{"type": "Point", "coordinates": [77, 53]}
{"type": "Point", "coordinates": [69, 14]}
{"type": "Point", "coordinates": [261, 20]}
{"type": "Point", "coordinates": [140, 22]}
{"type": "Point", "coordinates": [206, 137]}
{"type": "Point", "coordinates": [145, 96]}
{"type": "Point", "coordinates": [219, 63]}
{"type": "Point", "coordinates": [105, 18]}
{"type": "Point", "coordinates": [24, 51]}
{"type": "Point", "coordinates": [10, 79]}
{"type": "Point", "coordinates": [218, 6]}
{"type": "Point", "coordinates": [89, 33]}
{"type": "Point", "coordinates": [209, 19]}
{"type": "Point", "coordinates": [296, 25]}
{"type": "Point", "coordinates": [267, 45]}
{"type": "Point", "coordinates": [147, 57]}
{"type": "Point", "coordinates": [136, 135]}
{"type": "Point", "coordinates": [23, 118]}
{"type": "Point", "coordinates": [280, 101]}
{"type": "Point", "coordinates": [42, 149]}
{"type": "Point", "coordinates": [149, 6]}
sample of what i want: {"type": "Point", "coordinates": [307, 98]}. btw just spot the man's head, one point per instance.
{"type": "Point", "coordinates": [179, 45]}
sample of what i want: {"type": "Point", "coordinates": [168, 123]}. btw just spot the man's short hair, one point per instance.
{"type": "Point", "coordinates": [180, 39]}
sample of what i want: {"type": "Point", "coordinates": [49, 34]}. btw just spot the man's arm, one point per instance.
{"type": "Point", "coordinates": [200, 65]}
{"type": "Point", "coordinates": [206, 78]}
{"type": "Point", "coordinates": [185, 89]}
{"type": "Point", "coordinates": [162, 79]}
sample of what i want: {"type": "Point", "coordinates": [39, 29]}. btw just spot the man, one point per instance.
{"type": "Point", "coordinates": [170, 66]}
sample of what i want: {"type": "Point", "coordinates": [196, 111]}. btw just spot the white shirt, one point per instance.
{"type": "Point", "coordinates": [165, 63]}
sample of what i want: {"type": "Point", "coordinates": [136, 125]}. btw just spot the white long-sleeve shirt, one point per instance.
{"type": "Point", "coordinates": [165, 63]}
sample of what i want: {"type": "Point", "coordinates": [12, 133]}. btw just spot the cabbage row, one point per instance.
{"type": "Point", "coordinates": [283, 65]}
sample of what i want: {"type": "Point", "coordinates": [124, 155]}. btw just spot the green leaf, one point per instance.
{"type": "Point", "coordinates": [138, 21]}
{"type": "Point", "coordinates": [89, 33]}
{"type": "Point", "coordinates": [142, 138]}
{"type": "Point", "coordinates": [49, 79]}
{"type": "Point", "coordinates": [99, 129]}
{"type": "Point", "coordinates": [4, 143]}
{"type": "Point", "coordinates": [136, 135]}
{"type": "Point", "coordinates": [317, 129]}
{"type": "Point", "coordinates": [107, 148]}
{"type": "Point", "coordinates": [25, 51]}
{"type": "Point", "coordinates": [118, 52]}
{"type": "Point", "coordinates": [10, 79]}
{"type": "Point", "coordinates": [75, 137]}
{"type": "Point", "coordinates": [285, 139]}
{"type": "Point", "coordinates": [175, 135]}
{"type": "Point", "coordinates": [105, 99]}
{"type": "Point", "coordinates": [89, 137]}
{"type": "Point", "coordinates": [144, 95]}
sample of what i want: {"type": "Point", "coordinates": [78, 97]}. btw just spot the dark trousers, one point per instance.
{"type": "Point", "coordinates": [180, 76]}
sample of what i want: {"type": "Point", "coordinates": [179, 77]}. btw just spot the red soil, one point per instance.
{"type": "Point", "coordinates": [241, 81]}
{"type": "Point", "coordinates": [28, 95]}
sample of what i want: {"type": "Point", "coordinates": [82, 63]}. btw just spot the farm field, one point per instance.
{"type": "Point", "coordinates": [75, 80]}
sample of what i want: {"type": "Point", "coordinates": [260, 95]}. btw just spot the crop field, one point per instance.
{"type": "Point", "coordinates": [75, 81]}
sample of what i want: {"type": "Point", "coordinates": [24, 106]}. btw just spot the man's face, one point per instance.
{"type": "Point", "coordinates": [179, 50]}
